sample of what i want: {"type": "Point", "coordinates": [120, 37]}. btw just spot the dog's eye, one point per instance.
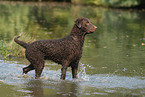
{"type": "Point", "coordinates": [86, 24]}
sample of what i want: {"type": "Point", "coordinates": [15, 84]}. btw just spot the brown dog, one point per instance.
{"type": "Point", "coordinates": [66, 51]}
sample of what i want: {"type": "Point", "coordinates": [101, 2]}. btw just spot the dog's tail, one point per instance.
{"type": "Point", "coordinates": [21, 43]}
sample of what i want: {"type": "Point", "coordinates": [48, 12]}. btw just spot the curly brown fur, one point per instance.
{"type": "Point", "coordinates": [66, 51]}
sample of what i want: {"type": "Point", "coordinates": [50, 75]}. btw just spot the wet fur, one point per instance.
{"type": "Point", "coordinates": [66, 51]}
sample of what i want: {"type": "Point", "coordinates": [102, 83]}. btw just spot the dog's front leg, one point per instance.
{"type": "Point", "coordinates": [63, 71]}
{"type": "Point", "coordinates": [74, 67]}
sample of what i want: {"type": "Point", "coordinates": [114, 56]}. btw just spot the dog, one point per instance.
{"type": "Point", "coordinates": [66, 51]}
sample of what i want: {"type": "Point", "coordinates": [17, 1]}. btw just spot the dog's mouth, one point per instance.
{"type": "Point", "coordinates": [92, 31]}
{"type": "Point", "coordinates": [89, 32]}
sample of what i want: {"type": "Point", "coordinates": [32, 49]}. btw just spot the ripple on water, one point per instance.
{"type": "Point", "coordinates": [11, 74]}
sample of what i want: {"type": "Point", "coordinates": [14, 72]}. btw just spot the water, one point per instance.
{"type": "Point", "coordinates": [112, 64]}
{"type": "Point", "coordinates": [50, 84]}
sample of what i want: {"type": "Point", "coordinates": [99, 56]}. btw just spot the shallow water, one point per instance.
{"type": "Point", "coordinates": [50, 85]}
{"type": "Point", "coordinates": [112, 64]}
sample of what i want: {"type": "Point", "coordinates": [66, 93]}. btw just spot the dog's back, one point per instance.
{"type": "Point", "coordinates": [57, 50]}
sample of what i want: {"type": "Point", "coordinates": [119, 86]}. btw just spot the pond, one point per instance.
{"type": "Point", "coordinates": [113, 61]}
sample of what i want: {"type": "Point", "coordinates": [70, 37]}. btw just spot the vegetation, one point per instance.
{"type": "Point", "coordinates": [112, 3]}
{"type": "Point", "coordinates": [4, 49]}
{"type": "Point", "coordinates": [106, 3]}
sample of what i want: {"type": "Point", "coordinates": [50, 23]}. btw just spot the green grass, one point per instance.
{"type": "Point", "coordinates": [4, 49]}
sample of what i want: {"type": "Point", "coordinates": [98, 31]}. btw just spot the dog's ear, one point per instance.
{"type": "Point", "coordinates": [78, 23]}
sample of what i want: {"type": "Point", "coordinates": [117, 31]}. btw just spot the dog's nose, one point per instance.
{"type": "Point", "coordinates": [95, 27]}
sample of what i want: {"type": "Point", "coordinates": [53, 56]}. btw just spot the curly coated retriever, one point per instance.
{"type": "Point", "coordinates": [66, 51]}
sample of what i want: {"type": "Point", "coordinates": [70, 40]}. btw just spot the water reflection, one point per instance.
{"type": "Point", "coordinates": [36, 88]}
{"type": "Point", "coordinates": [68, 89]}
{"type": "Point", "coordinates": [41, 88]}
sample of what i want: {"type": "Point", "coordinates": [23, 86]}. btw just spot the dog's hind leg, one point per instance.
{"type": "Point", "coordinates": [28, 68]}
{"type": "Point", "coordinates": [38, 69]}
{"type": "Point", "coordinates": [37, 59]}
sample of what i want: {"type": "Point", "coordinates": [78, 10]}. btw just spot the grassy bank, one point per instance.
{"type": "Point", "coordinates": [4, 50]}
{"type": "Point", "coordinates": [11, 49]}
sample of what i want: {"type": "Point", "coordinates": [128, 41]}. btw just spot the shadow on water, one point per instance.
{"type": "Point", "coordinates": [112, 64]}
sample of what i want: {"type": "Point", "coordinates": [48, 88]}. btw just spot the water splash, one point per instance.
{"type": "Point", "coordinates": [10, 73]}
{"type": "Point", "coordinates": [82, 74]}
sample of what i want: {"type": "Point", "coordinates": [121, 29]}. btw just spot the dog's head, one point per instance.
{"type": "Point", "coordinates": [85, 25]}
